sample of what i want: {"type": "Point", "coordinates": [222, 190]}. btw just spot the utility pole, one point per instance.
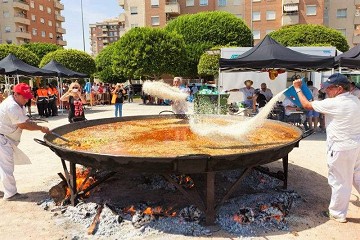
{"type": "Point", "coordinates": [82, 24]}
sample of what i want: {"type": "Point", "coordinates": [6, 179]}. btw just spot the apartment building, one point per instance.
{"type": "Point", "coordinates": [23, 21]}
{"type": "Point", "coordinates": [104, 33]}
{"type": "Point", "coordinates": [262, 16]}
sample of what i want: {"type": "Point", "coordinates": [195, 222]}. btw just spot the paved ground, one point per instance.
{"type": "Point", "coordinates": [307, 175]}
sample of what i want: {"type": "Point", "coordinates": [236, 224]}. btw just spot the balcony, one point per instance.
{"type": "Point", "coordinates": [356, 39]}
{"type": "Point", "coordinates": [20, 18]}
{"type": "Point", "coordinates": [104, 35]}
{"type": "Point", "coordinates": [290, 19]}
{"type": "Point", "coordinates": [122, 3]}
{"type": "Point", "coordinates": [22, 34]}
{"type": "Point", "coordinates": [59, 18]}
{"type": "Point", "coordinates": [172, 8]}
{"type": "Point", "coordinates": [61, 42]}
{"type": "Point", "coordinates": [59, 5]}
{"type": "Point", "coordinates": [105, 41]}
{"type": "Point", "coordinates": [291, 2]}
{"type": "Point", "coordinates": [61, 30]}
{"type": "Point", "coordinates": [23, 5]}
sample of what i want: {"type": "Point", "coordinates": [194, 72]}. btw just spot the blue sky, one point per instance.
{"type": "Point", "coordinates": [94, 11]}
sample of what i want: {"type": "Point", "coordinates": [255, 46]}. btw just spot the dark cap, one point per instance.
{"type": "Point", "coordinates": [335, 79]}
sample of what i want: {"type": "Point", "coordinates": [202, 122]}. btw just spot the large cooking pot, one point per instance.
{"type": "Point", "coordinates": [179, 164]}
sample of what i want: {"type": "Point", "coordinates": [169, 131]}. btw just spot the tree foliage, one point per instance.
{"type": "Point", "coordinates": [148, 52]}
{"type": "Point", "coordinates": [20, 52]}
{"type": "Point", "coordinates": [204, 30]}
{"type": "Point", "coordinates": [104, 66]}
{"type": "Point", "coordinates": [310, 35]}
{"type": "Point", "coordinates": [209, 63]}
{"type": "Point", "coordinates": [41, 49]}
{"type": "Point", "coordinates": [75, 60]}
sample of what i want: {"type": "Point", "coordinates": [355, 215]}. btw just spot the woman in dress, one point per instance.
{"type": "Point", "coordinates": [76, 100]}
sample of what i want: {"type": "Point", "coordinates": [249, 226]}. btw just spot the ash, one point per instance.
{"type": "Point", "coordinates": [255, 180]}
{"type": "Point", "coordinates": [155, 182]}
{"type": "Point", "coordinates": [254, 214]}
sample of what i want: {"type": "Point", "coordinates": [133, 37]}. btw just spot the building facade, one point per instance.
{"type": "Point", "coordinates": [262, 16]}
{"type": "Point", "coordinates": [104, 33]}
{"type": "Point", "coordinates": [24, 21]}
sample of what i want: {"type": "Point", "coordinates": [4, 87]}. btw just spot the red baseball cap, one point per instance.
{"type": "Point", "coordinates": [24, 90]}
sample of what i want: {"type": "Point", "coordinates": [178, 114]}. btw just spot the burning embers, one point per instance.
{"type": "Point", "coordinates": [61, 193]}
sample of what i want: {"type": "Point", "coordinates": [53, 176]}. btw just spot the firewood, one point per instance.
{"type": "Point", "coordinates": [94, 225]}
{"type": "Point", "coordinates": [58, 192]}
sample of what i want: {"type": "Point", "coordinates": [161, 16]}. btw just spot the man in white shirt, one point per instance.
{"type": "Point", "coordinates": [266, 92]}
{"type": "Point", "coordinates": [341, 110]}
{"type": "Point", "coordinates": [13, 120]}
{"type": "Point", "coordinates": [248, 92]}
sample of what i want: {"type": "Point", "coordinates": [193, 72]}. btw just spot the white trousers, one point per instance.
{"type": "Point", "coordinates": [344, 171]}
{"type": "Point", "coordinates": [7, 167]}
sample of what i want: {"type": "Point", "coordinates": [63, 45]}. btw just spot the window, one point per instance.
{"type": "Point", "coordinates": [310, 10]}
{"type": "Point", "coordinates": [33, 17]}
{"type": "Point", "coordinates": [42, 20]}
{"type": "Point", "coordinates": [256, 34]}
{"type": "Point", "coordinates": [154, 3]}
{"type": "Point", "coordinates": [6, 14]}
{"type": "Point", "coordinates": [256, 16]}
{"type": "Point", "coordinates": [9, 41]}
{"type": "Point", "coordinates": [269, 31]}
{"type": "Point", "coordinates": [133, 10]}
{"type": "Point", "coordinates": [51, 35]}
{"type": "Point", "coordinates": [48, 10]}
{"type": "Point", "coordinates": [50, 23]}
{"type": "Point", "coordinates": [43, 34]}
{"type": "Point", "coordinates": [239, 16]}
{"type": "Point", "coordinates": [34, 31]}
{"type": "Point", "coordinates": [115, 33]}
{"type": "Point", "coordinates": [134, 25]}
{"type": "Point", "coordinates": [204, 2]}
{"type": "Point", "coordinates": [341, 13]}
{"type": "Point", "coordinates": [190, 3]}
{"type": "Point", "coordinates": [342, 30]}
{"type": "Point", "coordinates": [221, 3]}
{"type": "Point", "coordinates": [236, 2]}
{"type": "Point", "coordinates": [7, 29]}
{"type": "Point", "coordinates": [32, 4]}
{"type": "Point", "coordinates": [5, 1]}
{"type": "Point", "coordinates": [256, 0]}
{"type": "Point", "coordinates": [155, 21]}
{"type": "Point", "coordinates": [270, 15]}
{"type": "Point", "coordinates": [291, 9]}
{"type": "Point", "coordinates": [41, 7]}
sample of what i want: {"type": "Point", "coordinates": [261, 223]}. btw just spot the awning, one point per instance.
{"type": "Point", "coordinates": [291, 8]}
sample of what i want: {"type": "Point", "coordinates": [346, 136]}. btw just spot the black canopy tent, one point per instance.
{"type": "Point", "coordinates": [269, 54]}
{"type": "Point", "coordinates": [14, 66]}
{"type": "Point", "coordinates": [349, 59]}
{"type": "Point", "coordinates": [62, 72]}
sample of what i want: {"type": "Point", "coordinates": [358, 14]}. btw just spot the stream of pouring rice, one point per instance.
{"type": "Point", "coordinates": [236, 130]}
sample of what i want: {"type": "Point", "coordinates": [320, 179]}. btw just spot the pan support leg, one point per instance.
{"type": "Point", "coordinates": [70, 180]}
{"type": "Point", "coordinates": [285, 161]}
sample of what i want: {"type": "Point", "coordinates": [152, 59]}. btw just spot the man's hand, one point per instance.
{"type": "Point", "coordinates": [45, 130]}
{"type": "Point", "coordinates": [297, 83]}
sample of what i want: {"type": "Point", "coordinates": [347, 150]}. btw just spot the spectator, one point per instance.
{"type": "Point", "coordinates": [312, 116]}
{"type": "Point", "coordinates": [120, 92]}
{"type": "Point", "coordinates": [248, 92]}
{"type": "Point", "coordinates": [76, 100]}
{"type": "Point", "coordinates": [266, 92]}
{"type": "Point", "coordinates": [354, 90]}
{"type": "Point", "coordinates": [130, 93]}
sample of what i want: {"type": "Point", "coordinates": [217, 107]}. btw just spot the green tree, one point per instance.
{"type": "Point", "coordinates": [310, 35]}
{"type": "Point", "coordinates": [209, 63]}
{"type": "Point", "coordinates": [20, 52]}
{"type": "Point", "coordinates": [204, 30]}
{"type": "Point", "coordinates": [148, 52]}
{"type": "Point", "coordinates": [104, 66]}
{"type": "Point", "coordinates": [75, 60]}
{"type": "Point", "coordinates": [41, 49]}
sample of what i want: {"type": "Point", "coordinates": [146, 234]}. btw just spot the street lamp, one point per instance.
{"type": "Point", "coordinates": [82, 23]}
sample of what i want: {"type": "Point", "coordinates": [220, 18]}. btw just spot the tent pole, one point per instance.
{"type": "Point", "coordinates": [17, 78]}
{"type": "Point", "coordinates": [218, 90]}
{"type": "Point", "coordinates": [339, 69]}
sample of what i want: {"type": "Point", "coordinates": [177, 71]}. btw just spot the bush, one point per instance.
{"type": "Point", "coordinates": [204, 30]}
{"type": "Point", "coordinates": [41, 49]}
{"type": "Point", "coordinates": [148, 52]}
{"type": "Point", "coordinates": [73, 59]}
{"type": "Point", "coordinates": [209, 64]}
{"type": "Point", "coordinates": [310, 35]}
{"type": "Point", "coordinates": [20, 52]}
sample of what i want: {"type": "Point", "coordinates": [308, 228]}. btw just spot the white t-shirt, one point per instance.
{"type": "Point", "coordinates": [356, 92]}
{"type": "Point", "coordinates": [342, 115]}
{"type": "Point", "coordinates": [286, 103]}
{"type": "Point", "coordinates": [11, 114]}
{"type": "Point", "coordinates": [314, 92]}
{"type": "Point", "coordinates": [267, 93]}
